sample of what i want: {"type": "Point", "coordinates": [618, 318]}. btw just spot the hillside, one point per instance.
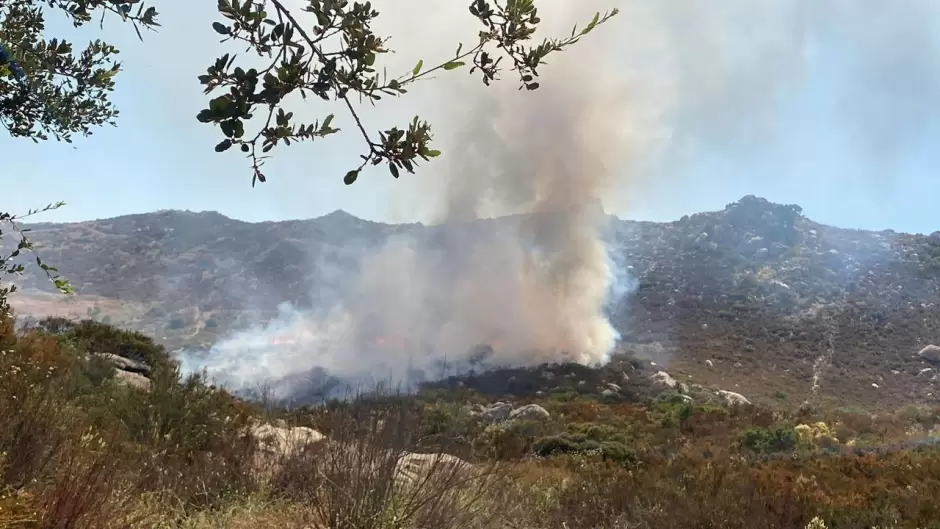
{"type": "Point", "coordinates": [749, 298]}
{"type": "Point", "coordinates": [99, 431]}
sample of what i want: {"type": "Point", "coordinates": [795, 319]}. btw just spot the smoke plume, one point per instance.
{"type": "Point", "coordinates": [617, 119]}
{"type": "Point", "coordinates": [529, 285]}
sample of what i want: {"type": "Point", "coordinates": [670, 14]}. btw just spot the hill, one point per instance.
{"type": "Point", "coordinates": [99, 431]}
{"type": "Point", "coordinates": [755, 298]}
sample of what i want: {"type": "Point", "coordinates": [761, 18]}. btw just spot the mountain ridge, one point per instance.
{"type": "Point", "coordinates": [756, 288]}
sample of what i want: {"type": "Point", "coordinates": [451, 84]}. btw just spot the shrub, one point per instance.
{"type": "Point", "coordinates": [568, 444]}
{"type": "Point", "coordinates": [770, 440]}
{"type": "Point", "coordinates": [358, 479]}
{"type": "Point", "coordinates": [90, 336]}
{"type": "Point", "coordinates": [510, 440]}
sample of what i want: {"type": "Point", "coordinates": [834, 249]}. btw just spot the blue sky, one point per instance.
{"type": "Point", "coordinates": [837, 113]}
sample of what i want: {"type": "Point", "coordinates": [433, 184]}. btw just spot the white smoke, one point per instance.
{"type": "Point", "coordinates": [532, 284]}
{"type": "Point", "coordinates": [612, 114]}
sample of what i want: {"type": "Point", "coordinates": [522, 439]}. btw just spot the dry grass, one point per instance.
{"type": "Point", "coordinates": [78, 451]}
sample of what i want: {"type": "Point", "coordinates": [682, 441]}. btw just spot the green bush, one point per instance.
{"type": "Point", "coordinates": [510, 440]}
{"type": "Point", "coordinates": [770, 440]}
{"type": "Point", "coordinates": [89, 336]}
{"type": "Point", "coordinates": [579, 444]}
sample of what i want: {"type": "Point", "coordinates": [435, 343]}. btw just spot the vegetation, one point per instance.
{"type": "Point", "coordinates": [78, 449]}
{"type": "Point", "coordinates": [81, 447]}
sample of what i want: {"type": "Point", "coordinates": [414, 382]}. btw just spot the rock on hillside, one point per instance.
{"type": "Point", "coordinates": [757, 289]}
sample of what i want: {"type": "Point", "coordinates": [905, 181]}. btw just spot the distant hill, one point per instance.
{"type": "Point", "coordinates": [749, 297]}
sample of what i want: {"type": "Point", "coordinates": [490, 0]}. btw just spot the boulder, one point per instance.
{"type": "Point", "coordinates": [421, 469]}
{"type": "Point", "coordinates": [496, 412]}
{"type": "Point", "coordinates": [285, 441]}
{"type": "Point", "coordinates": [732, 398]}
{"type": "Point", "coordinates": [665, 379]}
{"type": "Point", "coordinates": [530, 412]}
{"type": "Point", "coordinates": [125, 364]}
{"type": "Point", "coordinates": [931, 354]}
{"type": "Point", "coordinates": [132, 380]}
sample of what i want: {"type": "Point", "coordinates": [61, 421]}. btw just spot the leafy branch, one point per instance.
{"type": "Point", "coordinates": [46, 87]}
{"type": "Point", "coordinates": [336, 59]}
{"type": "Point", "coordinates": [7, 264]}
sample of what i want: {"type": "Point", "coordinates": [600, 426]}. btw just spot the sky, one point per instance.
{"type": "Point", "coordinates": [832, 106]}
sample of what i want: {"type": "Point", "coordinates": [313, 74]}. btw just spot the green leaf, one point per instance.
{"type": "Point", "coordinates": [417, 69]}
{"type": "Point", "coordinates": [453, 65]}
{"type": "Point", "coordinates": [223, 146]}
{"type": "Point", "coordinates": [394, 169]}
{"type": "Point", "coordinates": [351, 177]}
{"type": "Point", "coordinates": [220, 28]}
{"type": "Point", "coordinates": [433, 153]}
{"type": "Point", "coordinates": [592, 25]}
{"type": "Point", "coordinates": [219, 104]}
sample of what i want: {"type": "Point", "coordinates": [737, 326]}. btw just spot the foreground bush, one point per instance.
{"type": "Point", "coordinates": [79, 450]}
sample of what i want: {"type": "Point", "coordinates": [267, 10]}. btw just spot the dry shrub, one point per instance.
{"type": "Point", "coordinates": [854, 422]}
{"type": "Point", "coordinates": [17, 509]}
{"type": "Point", "coordinates": [367, 477]}
{"type": "Point", "coordinates": [666, 495]}
{"type": "Point", "coordinates": [91, 485]}
{"type": "Point", "coordinates": [577, 492]}
{"type": "Point", "coordinates": [706, 422]}
{"type": "Point", "coordinates": [182, 436]}
{"type": "Point", "coordinates": [33, 421]}
{"type": "Point", "coordinates": [251, 512]}
{"type": "Point", "coordinates": [191, 439]}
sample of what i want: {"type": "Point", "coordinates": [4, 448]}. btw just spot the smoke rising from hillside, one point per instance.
{"type": "Point", "coordinates": [616, 114]}
{"type": "Point", "coordinates": [533, 286]}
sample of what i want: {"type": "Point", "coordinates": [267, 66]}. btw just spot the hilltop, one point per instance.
{"type": "Point", "coordinates": [749, 298]}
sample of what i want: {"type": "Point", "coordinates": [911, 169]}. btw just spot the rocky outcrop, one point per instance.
{"type": "Point", "coordinates": [530, 412]}
{"type": "Point", "coordinates": [415, 469]}
{"type": "Point", "coordinates": [732, 398]}
{"type": "Point", "coordinates": [500, 412]}
{"type": "Point", "coordinates": [931, 354]}
{"type": "Point", "coordinates": [283, 441]}
{"type": "Point", "coordinates": [132, 380]}
{"type": "Point", "coordinates": [130, 373]}
{"type": "Point", "coordinates": [494, 413]}
{"type": "Point", "coordinates": [125, 364]}
{"type": "Point", "coordinates": [665, 379]}
{"type": "Point", "coordinates": [276, 444]}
